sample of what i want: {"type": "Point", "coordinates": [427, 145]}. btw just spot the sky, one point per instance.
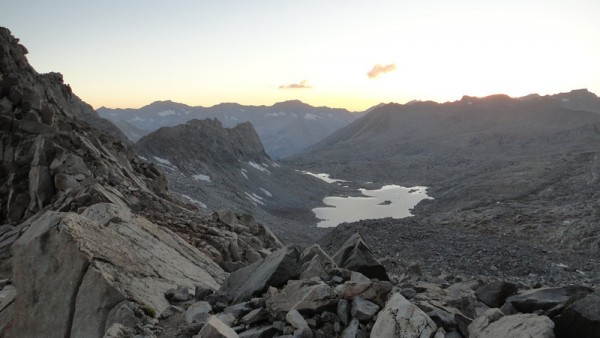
{"type": "Point", "coordinates": [338, 53]}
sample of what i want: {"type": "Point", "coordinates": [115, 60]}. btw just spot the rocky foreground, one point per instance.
{"type": "Point", "coordinates": [93, 244]}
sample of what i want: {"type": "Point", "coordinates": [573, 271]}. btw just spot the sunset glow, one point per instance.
{"type": "Point", "coordinates": [128, 54]}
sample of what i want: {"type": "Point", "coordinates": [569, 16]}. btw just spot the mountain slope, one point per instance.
{"type": "Point", "coordinates": [218, 167]}
{"type": "Point", "coordinates": [488, 161]}
{"type": "Point", "coordinates": [284, 128]}
{"type": "Point", "coordinates": [87, 228]}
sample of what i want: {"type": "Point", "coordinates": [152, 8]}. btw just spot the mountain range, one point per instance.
{"type": "Point", "coordinates": [525, 166]}
{"type": "Point", "coordinates": [284, 128]}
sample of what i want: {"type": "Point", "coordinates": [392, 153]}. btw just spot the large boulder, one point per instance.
{"type": "Point", "coordinates": [580, 319]}
{"type": "Point", "coordinates": [274, 270]}
{"type": "Point", "coordinates": [523, 325]}
{"type": "Point", "coordinates": [546, 298]}
{"type": "Point", "coordinates": [71, 271]}
{"type": "Point", "coordinates": [355, 255]}
{"type": "Point", "coordinates": [495, 293]}
{"type": "Point", "coordinates": [305, 296]}
{"type": "Point", "coordinates": [400, 318]}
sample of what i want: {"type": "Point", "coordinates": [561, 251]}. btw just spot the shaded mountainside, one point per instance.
{"type": "Point", "coordinates": [285, 128]}
{"type": "Point", "coordinates": [217, 167]}
{"type": "Point", "coordinates": [87, 228]}
{"type": "Point", "coordinates": [527, 166]}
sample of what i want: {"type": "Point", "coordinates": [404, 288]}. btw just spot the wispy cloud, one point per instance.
{"type": "Point", "coordinates": [381, 69]}
{"type": "Point", "coordinates": [300, 85]}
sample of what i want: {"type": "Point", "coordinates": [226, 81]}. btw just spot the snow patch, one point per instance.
{"type": "Point", "coordinates": [255, 198]}
{"type": "Point", "coordinates": [194, 201]}
{"type": "Point", "coordinates": [275, 114]}
{"type": "Point", "coordinates": [266, 192]}
{"type": "Point", "coordinates": [166, 113]}
{"type": "Point", "coordinates": [200, 177]}
{"type": "Point", "coordinates": [244, 171]}
{"type": "Point", "coordinates": [137, 118]}
{"type": "Point", "coordinates": [143, 158]}
{"type": "Point", "coordinates": [323, 177]}
{"type": "Point", "coordinates": [310, 116]}
{"type": "Point", "coordinates": [163, 161]}
{"type": "Point", "coordinates": [259, 166]}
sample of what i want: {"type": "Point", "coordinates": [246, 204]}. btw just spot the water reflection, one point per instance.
{"type": "Point", "coordinates": [389, 201]}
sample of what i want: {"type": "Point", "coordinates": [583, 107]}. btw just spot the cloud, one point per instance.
{"type": "Point", "coordinates": [381, 69]}
{"type": "Point", "coordinates": [301, 85]}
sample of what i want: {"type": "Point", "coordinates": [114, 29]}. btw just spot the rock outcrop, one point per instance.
{"type": "Point", "coordinates": [90, 235]}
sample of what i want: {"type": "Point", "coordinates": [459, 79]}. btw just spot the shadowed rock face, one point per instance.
{"type": "Point", "coordinates": [86, 224]}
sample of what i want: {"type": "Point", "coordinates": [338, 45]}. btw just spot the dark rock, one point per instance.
{"type": "Point", "coordinates": [463, 323]}
{"type": "Point", "coordinates": [201, 293]}
{"type": "Point", "coordinates": [343, 311]}
{"type": "Point", "coordinates": [255, 316]}
{"type": "Point", "coordinates": [580, 319]}
{"type": "Point", "coordinates": [266, 331]}
{"type": "Point", "coordinates": [304, 332]}
{"type": "Point", "coordinates": [274, 270]}
{"type": "Point", "coordinates": [546, 298]}
{"type": "Point", "coordinates": [328, 317]}
{"type": "Point", "coordinates": [494, 294]}
{"type": "Point", "coordinates": [171, 310]}
{"type": "Point", "coordinates": [363, 310]}
{"type": "Point", "coordinates": [180, 294]}
{"type": "Point", "coordinates": [238, 310]}
{"type": "Point", "coordinates": [355, 255]}
{"type": "Point", "coordinates": [218, 297]}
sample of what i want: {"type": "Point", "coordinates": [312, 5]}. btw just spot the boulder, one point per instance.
{"type": "Point", "coordinates": [305, 296]}
{"type": "Point", "coordinates": [296, 320]}
{"type": "Point", "coordinates": [215, 328]}
{"type": "Point", "coordinates": [72, 271]}
{"type": "Point", "coordinates": [351, 331]}
{"type": "Point", "coordinates": [363, 310]}
{"type": "Point", "coordinates": [523, 325]}
{"type": "Point", "coordinates": [355, 255]}
{"type": "Point", "coordinates": [480, 323]}
{"type": "Point", "coordinates": [265, 331]}
{"type": "Point", "coordinates": [546, 298]}
{"type": "Point", "coordinates": [255, 316]}
{"type": "Point", "coordinates": [494, 294]}
{"type": "Point", "coordinates": [374, 291]}
{"type": "Point", "coordinates": [198, 312]}
{"type": "Point", "coordinates": [343, 311]}
{"type": "Point", "coordinates": [401, 318]}
{"type": "Point", "coordinates": [274, 270]}
{"type": "Point", "coordinates": [580, 319]}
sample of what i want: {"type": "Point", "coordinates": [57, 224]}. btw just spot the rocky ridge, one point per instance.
{"type": "Point", "coordinates": [88, 229]}
{"type": "Point", "coordinates": [217, 167]}
{"type": "Point", "coordinates": [526, 167]}
{"type": "Point", "coordinates": [285, 128]}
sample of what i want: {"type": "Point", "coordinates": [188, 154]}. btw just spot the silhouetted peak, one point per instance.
{"type": "Point", "coordinates": [292, 104]}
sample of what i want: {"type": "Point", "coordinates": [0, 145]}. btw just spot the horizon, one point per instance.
{"type": "Point", "coordinates": [352, 111]}
{"type": "Point", "coordinates": [349, 55]}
